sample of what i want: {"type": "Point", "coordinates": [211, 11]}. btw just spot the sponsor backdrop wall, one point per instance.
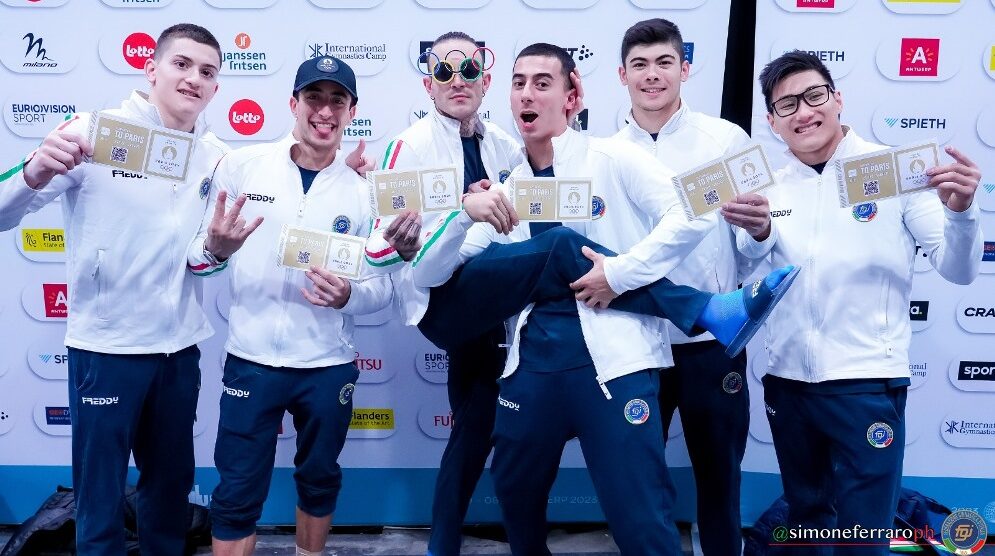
{"type": "Point", "coordinates": [909, 70]}
{"type": "Point", "coordinates": [63, 56]}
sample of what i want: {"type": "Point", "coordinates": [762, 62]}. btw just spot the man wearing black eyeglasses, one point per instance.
{"type": "Point", "coordinates": [838, 369]}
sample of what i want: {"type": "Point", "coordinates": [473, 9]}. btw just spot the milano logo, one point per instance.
{"type": "Point", "coordinates": [35, 47]}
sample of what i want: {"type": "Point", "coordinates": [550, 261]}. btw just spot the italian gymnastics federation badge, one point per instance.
{"type": "Point", "coordinates": [964, 532]}
{"type": "Point", "coordinates": [865, 212]}
{"type": "Point", "coordinates": [637, 411]}
{"type": "Point", "coordinates": [345, 394]}
{"type": "Point", "coordinates": [880, 435]}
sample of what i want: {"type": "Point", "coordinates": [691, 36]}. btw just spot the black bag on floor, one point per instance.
{"type": "Point", "coordinates": [52, 530]}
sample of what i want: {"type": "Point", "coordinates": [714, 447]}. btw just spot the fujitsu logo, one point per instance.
{"type": "Point", "coordinates": [246, 117]}
{"type": "Point", "coordinates": [137, 48]}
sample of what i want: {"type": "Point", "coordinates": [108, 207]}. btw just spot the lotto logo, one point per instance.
{"type": "Point", "coordinates": [138, 48]}
{"type": "Point", "coordinates": [246, 117]}
{"type": "Point", "coordinates": [920, 58]}
{"type": "Point", "coordinates": [243, 40]}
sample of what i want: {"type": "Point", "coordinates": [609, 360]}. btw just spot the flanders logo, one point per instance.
{"type": "Point", "coordinates": [51, 240]}
{"type": "Point", "coordinates": [372, 418]}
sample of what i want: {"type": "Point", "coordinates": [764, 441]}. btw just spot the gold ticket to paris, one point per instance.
{"type": "Point", "coordinates": [139, 147]}
{"type": "Point", "coordinates": [340, 254]}
{"type": "Point", "coordinates": [885, 174]}
{"type": "Point", "coordinates": [705, 188]}
{"type": "Point", "coordinates": [552, 199]}
{"type": "Point", "coordinates": [421, 190]}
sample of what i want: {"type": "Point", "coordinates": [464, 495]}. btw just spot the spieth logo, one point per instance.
{"type": "Point", "coordinates": [920, 58]}
{"type": "Point", "coordinates": [816, 4]}
{"type": "Point", "coordinates": [246, 117]}
{"type": "Point", "coordinates": [137, 48]}
{"type": "Point", "coordinates": [56, 300]}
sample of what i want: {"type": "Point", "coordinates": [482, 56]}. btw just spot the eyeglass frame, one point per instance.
{"type": "Point", "coordinates": [800, 97]}
{"type": "Point", "coordinates": [479, 66]}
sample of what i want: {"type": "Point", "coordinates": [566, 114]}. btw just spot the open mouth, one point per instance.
{"type": "Point", "coordinates": [323, 128]}
{"type": "Point", "coordinates": [653, 90]}
{"type": "Point", "coordinates": [528, 116]}
{"type": "Point", "coordinates": [191, 94]}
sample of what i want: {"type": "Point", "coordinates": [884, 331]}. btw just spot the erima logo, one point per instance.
{"type": "Point", "coordinates": [123, 174]}
{"type": "Point", "coordinates": [918, 310]}
{"type": "Point", "coordinates": [258, 197]}
{"type": "Point", "coordinates": [777, 213]}
{"type": "Point", "coordinates": [979, 312]}
{"type": "Point", "coordinates": [236, 392]}
{"type": "Point", "coordinates": [100, 401]}
{"type": "Point", "coordinates": [976, 370]}
{"type": "Point", "coordinates": [506, 403]}
{"type": "Point", "coordinates": [57, 359]}
{"type": "Point", "coordinates": [917, 123]}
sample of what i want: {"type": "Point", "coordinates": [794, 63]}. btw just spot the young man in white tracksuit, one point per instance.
{"type": "Point", "coordinates": [708, 388]}
{"type": "Point", "coordinates": [135, 316]}
{"type": "Point", "coordinates": [563, 378]}
{"type": "Point", "coordinates": [453, 134]}
{"type": "Point", "coordinates": [290, 332]}
{"type": "Point", "coordinates": [838, 348]}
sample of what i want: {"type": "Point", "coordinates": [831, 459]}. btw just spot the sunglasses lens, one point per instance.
{"type": "Point", "coordinates": [469, 70]}
{"type": "Point", "coordinates": [443, 72]}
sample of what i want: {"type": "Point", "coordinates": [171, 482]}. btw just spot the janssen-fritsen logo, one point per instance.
{"type": "Point", "coordinates": [248, 58]}
{"type": "Point", "coordinates": [246, 117]}
{"type": "Point", "coordinates": [137, 48]}
{"type": "Point", "coordinates": [56, 300]}
{"type": "Point", "coordinates": [919, 57]}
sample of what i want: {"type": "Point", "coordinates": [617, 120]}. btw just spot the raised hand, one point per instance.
{"type": "Point", "coordinates": [228, 231]}
{"type": "Point", "coordinates": [956, 183]}
{"type": "Point", "coordinates": [59, 153]}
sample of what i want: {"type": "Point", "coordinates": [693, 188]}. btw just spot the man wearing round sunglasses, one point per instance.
{"type": "Point", "coordinates": [838, 348]}
{"type": "Point", "coordinates": [456, 81]}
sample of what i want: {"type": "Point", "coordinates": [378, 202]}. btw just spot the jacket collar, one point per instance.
{"type": "Point", "coordinates": [850, 145]}
{"type": "Point", "coordinates": [284, 145]}
{"type": "Point", "coordinates": [138, 104]}
{"type": "Point", "coordinates": [566, 146]}
{"type": "Point", "coordinates": [672, 125]}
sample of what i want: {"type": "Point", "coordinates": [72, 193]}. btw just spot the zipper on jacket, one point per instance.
{"type": "Point", "coordinates": [176, 226]}
{"type": "Point", "coordinates": [816, 221]}
{"type": "Point", "coordinates": [604, 388]}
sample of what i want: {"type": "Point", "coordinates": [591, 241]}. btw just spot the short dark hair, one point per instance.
{"type": "Point", "coordinates": [196, 33]}
{"type": "Point", "coordinates": [653, 31]}
{"type": "Point", "coordinates": [551, 51]}
{"type": "Point", "coordinates": [788, 64]}
{"type": "Point", "coordinates": [454, 36]}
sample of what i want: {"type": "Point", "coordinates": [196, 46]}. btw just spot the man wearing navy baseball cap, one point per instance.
{"type": "Point", "coordinates": [299, 358]}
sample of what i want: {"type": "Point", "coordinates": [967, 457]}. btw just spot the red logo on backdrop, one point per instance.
{"type": "Point", "coordinates": [920, 57]}
{"type": "Point", "coordinates": [243, 40]}
{"type": "Point", "coordinates": [137, 48]}
{"type": "Point", "coordinates": [56, 300]}
{"type": "Point", "coordinates": [815, 4]}
{"type": "Point", "coordinates": [246, 117]}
